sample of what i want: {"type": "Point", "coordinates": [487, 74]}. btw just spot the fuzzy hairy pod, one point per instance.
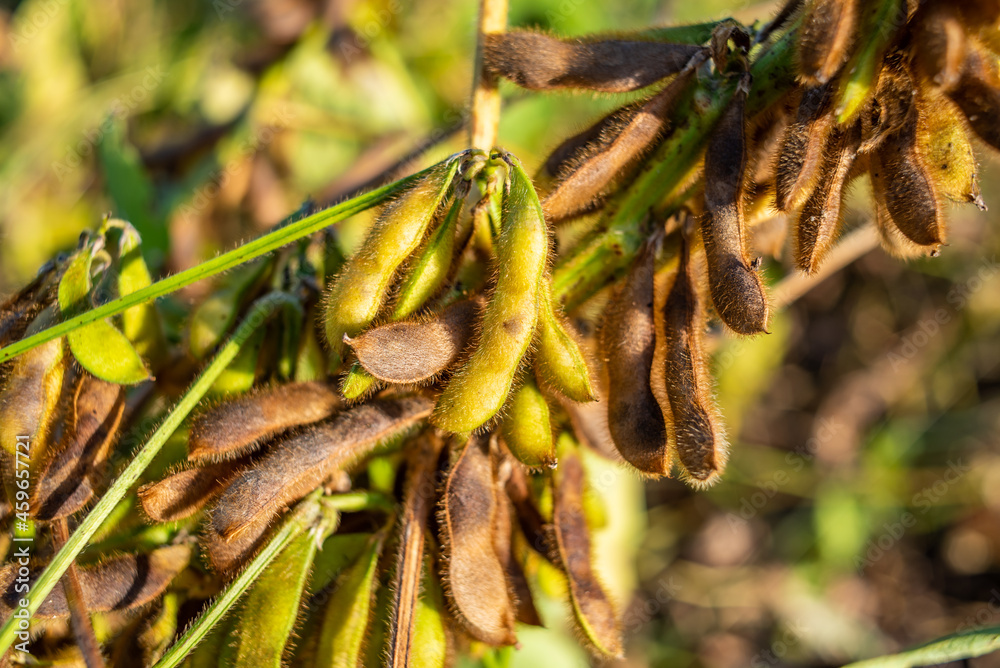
{"type": "Point", "coordinates": [226, 556]}
{"type": "Point", "coordinates": [356, 295]}
{"type": "Point", "coordinates": [431, 641]}
{"type": "Point", "coordinates": [419, 350]}
{"type": "Point", "coordinates": [407, 573]}
{"type": "Point", "coordinates": [559, 361]}
{"type": "Point", "coordinates": [433, 265]}
{"type": "Point", "coordinates": [239, 426]}
{"type": "Point", "coordinates": [121, 583]}
{"type": "Point", "coordinates": [594, 176]}
{"type": "Point", "coordinates": [902, 181]}
{"type": "Point", "coordinates": [818, 222]}
{"type": "Point", "coordinates": [944, 144]}
{"type": "Point", "coordinates": [978, 96]}
{"type": "Point", "coordinates": [299, 463]}
{"type": "Point", "coordinates": [576, 149]}
{"type": "Point", "coordinates": [184, 493]}
{"type": "Point", "coordinates": [879, 23]}
{"type": "Point", "coordinates": [889, 108]}
{"type": "Point", "coordinates": [941, 35]}
{"type": "Point", "coordinates": [527, 429]}
{"type": "Point", "coordinates": [347, 615]}
{"type": "Point", "coordinates": [358, 383]}
{"type": "Point", "coordinates": [827, 34]}
{"type": "Point", "coordinates": [540, 62]}
{"type": "Point", "coordinates": [798, 164]}
{"type": "Point", "coordinates": [503, 538]}
{"type": "Point", "coordinates": [266, 616]}
{"type": "Point", "coordinates": [736, 288]}
{"type": "Point", "coordinates": [17, 312]}
{"type": "Point", "coordinates": [698, 434]}
{"type": "Point", "coordinates": [594, 613]}
{"type": "Point", "coordinates": [628, 345]}
{"type": "Point", "coordinates": [476, 579]}
{"type": "Point", "coordinates": [28, 408]}
{"type": "Point", "coordinates": [479, 388]}
{"type": "Point", "coordinates": [66, 482]}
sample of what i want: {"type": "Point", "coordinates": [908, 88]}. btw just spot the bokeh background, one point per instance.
{"type": "Point", "coordinates": [860, 512]}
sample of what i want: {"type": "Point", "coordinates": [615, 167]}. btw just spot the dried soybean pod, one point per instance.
{"type": "Point", "coordinates": [418, 499]}
{"type": "Point", "coordinates": [827, 34]}
{"type": "Point", "coordinates": [239, 426]}
{"type": "Point", "coordinates": [540, 62]}
{"type": "Point", "coordinates": [575, 149]}
{"type": "Point", "coordinates": [355, 296]}
{"type": "Point", "coordinates": [594, 176]}
{"type": "Point", "coordinates": [479, 388]}
{"type": "Point", "coordinates": [419, 350]}
{"type": "Point", "coordinates": [266, 615]}
{"type": "Point", "coordinates": [558, 359]}
{"type": "Point", "coordinates": [699, 440]}
{"type": "Point", "coordinates": [476, 581]}
{"type": "Point", "coordinates": [628, 344]}
{"type": "Point", "coordinates": [297, 464]}
{"type": "Point", "coordinates": [66, 481]}
{"type": "Point", "coordinates": [939, 32]}
{"type": "Point", "coordinates": [184, 493]}
{"type": "Point", "coordinates": [978, 95]}
{"type": "Point", "coordinates": [816, 228]}
{"type": "Point", "coordinates": [121, 583]}
{"type": "Point", "coordinates": [943, 142]}
{"type": "Point", "coordinates": [503, 538]}
{"type": "Point", "coordinates": [434, 264]}
{"type": "Point", "coordinates": [28, 405]}
{"type": "Point", "coordinates": [900, 175]}
{"type": "Point", "coordinates": [736, 288]}
{"type": "Point", "coordinates": [346, 618]}
{"type": "Point", "coordinates": [527, 429]}
{"type": "Point", "coordinates": [17, 312]}
{"type": "Point", "coordinates": [593, 610]}
{"type": "Point", "coordinates": [228, 555]}
{"type": "Point", "coordinates": [802, 147]}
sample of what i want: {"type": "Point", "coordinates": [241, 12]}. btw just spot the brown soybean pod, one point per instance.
{"type": "Point", "coordinates": [826, 37]}
{"type": "Point", "coordinates": [539, 62]}
{"type": "Point", "coordinates": [628, 344]}
{"type": "Point", "coordinates": [524, 604]}
{"type": "Point", "coordinates": [593, 177]}
{"type": "Point", "coordinates": [184, 493]}
{"type": "Point", "coordinates": [417, 504]}
{"type": "Point", "coordinates": [699, 441]}
{"type": "Point", "coordinates": [296, 465]}
{"type": "Point", "coordinates": [121, 583]}
{"type": "Point", "coordinates": [802, 147]}
{"type": "Point", "coordinates": [978, 96]}
{"type": "Point", "coordinates": [942, 43]}
{"type": "Point", "coordinates": [238, 427]}
{"type": "Point", "coordinates": [476, 579]}
{"type": "Point", "coordinates": [66, 482]}
{"type": "Point", "coordinates": [906, 187]}
{"type": "Point", "coordinates": [227, 555]}
{"type": "Point", "coordinates": [418, 350]}
{"type": "Point", "coordinates": [736, 288]}
{"type": "Point", "coordinates": [593, 609]}
{"type": "Point", "coordinates": [594, 139]}
{"type": "Point", "coordinates": [817, 224]}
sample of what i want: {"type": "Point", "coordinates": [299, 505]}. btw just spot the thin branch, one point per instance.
{"type": "Point", "coordinates": [485, 93]}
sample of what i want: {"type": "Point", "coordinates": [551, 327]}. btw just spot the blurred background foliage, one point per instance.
{"type": "Point", "coordinates": [861, 509]}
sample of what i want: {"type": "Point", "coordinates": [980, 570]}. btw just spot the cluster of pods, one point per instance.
{"type": "Point", "coordinates": [439, 349]}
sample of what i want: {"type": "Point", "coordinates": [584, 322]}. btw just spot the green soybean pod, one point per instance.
{"type": "Point", "coordinates": [356, 295]}
{"type": "Point", "coordinates": [559, 361]}
{"type": "Point", "coordinates": [261, 630]}
{"type": "Point", "coordinates": [431, 270]}
{"type": "Point", "coordinates": [478, 390]}
{"type": "Point", "coordinates": [527, 428]}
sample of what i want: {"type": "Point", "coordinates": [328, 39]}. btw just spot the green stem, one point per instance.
{"type": "Point", "coordinates": [262, 309]}
{"type": "Point", "coordinates": [312, 510]}
{"type": "Point", "coordinates": [249, 251]}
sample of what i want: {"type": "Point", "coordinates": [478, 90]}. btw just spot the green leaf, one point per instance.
{"type": "Point", "coordinates": [950, 648]}
{"type": "Point", "coordinates": [99, 347]}
{"type": "Point", "coordinates": [267, 614]}
{"type": "Point", "coordinates": [140, 324]}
